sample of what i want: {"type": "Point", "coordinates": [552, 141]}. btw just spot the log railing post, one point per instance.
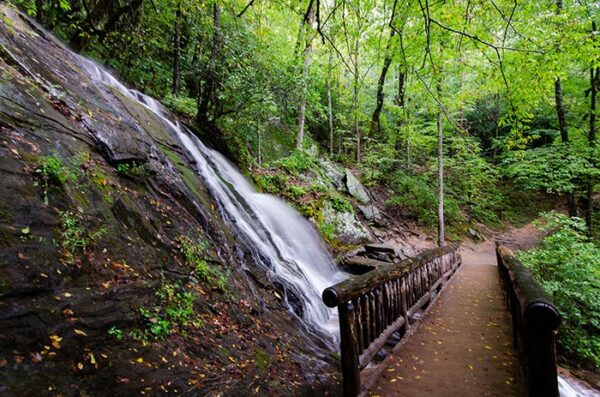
{"type": "Point", "coordinates": [349, 353]}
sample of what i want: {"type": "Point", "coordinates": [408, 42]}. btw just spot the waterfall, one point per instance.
{"type": "Point", "coordinates": [282, 242]}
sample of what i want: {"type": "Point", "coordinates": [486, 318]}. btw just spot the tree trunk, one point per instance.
{"type": "Point", "coordinates": [440, 131]}
{"type": "Point", "coordinates": [562, 123]}
{"type": "Point", "coordinates": [375, 125]}
{"type": "Point", "coordinates": [307, 54]}
{"type": "Point", "coordinates": [208, 98]}
{"type": "Point", "coordinates": [401, 87]}
{"type": "Point", "coordinates": [355, 112]}
{"type": "Point", "coordinates": [594, 84]}
{"type": "Point", "coordinates": [39, 8]}
{"type": "Point", "coordinates": [329, 105]}
{"type": "Point", "coordinates": [177, 51]}
{"type": "Point", "coordinates": [355, 104]}
{"type": "Point", "coordinates": [259, 138]}
{"type": "Point", "coordinates": [560, 111]}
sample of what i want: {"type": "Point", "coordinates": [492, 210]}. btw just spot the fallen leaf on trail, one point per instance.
{"type": "Point", "coordinates": [140, 360]}
{"type": "Point", "coordinates": [79, 332]}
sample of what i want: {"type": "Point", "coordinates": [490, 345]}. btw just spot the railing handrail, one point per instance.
{"type": "Point", "coordinates": [535, 321]}
{"type": "Point", "coordinates": [361, 285]}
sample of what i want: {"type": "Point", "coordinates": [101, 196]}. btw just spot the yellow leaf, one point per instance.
{"type": "Point", "coordinates": [488, 347]}
{"type": "Point", "coordinates": [140, 360]}
{"type": "Point", "coordinates": [80, 366]}
{"type": "Point", "coordinates": [79, 332]}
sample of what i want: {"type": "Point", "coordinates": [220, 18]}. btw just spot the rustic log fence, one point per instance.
{"type": "Point", "coordinates": [535, 321]}
{"type": "Point", "coordinates": [375, 305]}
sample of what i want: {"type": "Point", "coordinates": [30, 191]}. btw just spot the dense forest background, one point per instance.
{"type": "Point", "coordinates": [504, 93]}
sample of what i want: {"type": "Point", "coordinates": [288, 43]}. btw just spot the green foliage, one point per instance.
{"type": "Point", "coordinates": [175, 311]}
{"type": "Point", "coordinates": [296, 162]}
{"type": "Point", "coordinates": [195, 254]}
{"type": "Point", "coordinates": [553, 169]}
{"type": "Point", "coordinates": [75, 237]}
{"type": "Point", "coordinates": [134, 168]}
{"type": "Point", "coordinates": [273, 184]}
{"type": "Point", "coordinates": [339, 203]}
{"type": "Point", "coordinates": [54, 173]}
{"type": "Point", "coordinates": [116, 332]}
{"type": "Point", "coordinates": [327, 231]}
{"type": "Point", "coordinates": [416, 197]}
{"type": "Point", "coordinates": [181, 105]}
{"type": "Point", "coordinates": [296, 191]}
{"type": "Point", "coordinates": [567, 265]}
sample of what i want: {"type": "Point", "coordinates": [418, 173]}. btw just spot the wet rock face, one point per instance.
{"type": "Point", "coordinates": [85, 245]}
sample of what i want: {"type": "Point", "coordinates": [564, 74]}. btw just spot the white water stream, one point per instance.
{"type": "Point", "coordinates": [282, 242]}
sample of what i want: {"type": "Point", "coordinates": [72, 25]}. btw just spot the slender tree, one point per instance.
{"type": "Point", "coordinates": [207, 99]}
{"type": "Point", "coordinates": [387, 61]}
{"type": "Point", "coordinates": [562, 123]}
{"type": "Point", "coordinates": [440, 154]}
{"type": "Point", "coordinates": [308, 20]}
{"type": "Point", "coordinates": [177, 50]}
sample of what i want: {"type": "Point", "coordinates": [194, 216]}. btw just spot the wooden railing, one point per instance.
{"type": "Point", "coordinates": [376, 304]}
{"type": "Point", "coordinates": [535, 321]}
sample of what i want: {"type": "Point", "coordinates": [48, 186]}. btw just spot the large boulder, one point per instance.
{"type": "Point", "coordinates": [348, 229]}
{"type": "Point", "coordinates": [333, 172]}
{"type": "Point", "coordinates": [356, 189]}
{"type": "Point", "coordinates": [370, 212]}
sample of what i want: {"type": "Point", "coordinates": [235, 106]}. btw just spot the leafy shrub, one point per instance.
{"type": "Point", "coordinates": [340, 204]}
{"type": "Point", "coordinates": [296, 162]}
{"type": "Point", "coordinates": [274, 184]}
{"type": "Point", "coordinates": [296, 192]}
{"type": "Point", "coordinates": [553, 169]}
{"type": "Point", "coordinates": [567, 265]}
{"type": "Point", "coordinates": [416, 196]}
{"type": "Point", "coordinates": [181, 104]}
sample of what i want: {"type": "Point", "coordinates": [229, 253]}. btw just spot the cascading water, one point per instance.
{"type": "Point", "coordinates": [282, 242]}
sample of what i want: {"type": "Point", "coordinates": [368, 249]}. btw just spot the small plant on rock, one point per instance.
{"type": "Point", "coordinates": [174, 311]}
{"type": "Point", "coordinates": [54, 172]}
{"type": "Point", "coordinates": [75, 238]}
{"type": "Point", "coordinates": [196, 257]}
{"type": "Point", "coordinates": [133, 168]}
